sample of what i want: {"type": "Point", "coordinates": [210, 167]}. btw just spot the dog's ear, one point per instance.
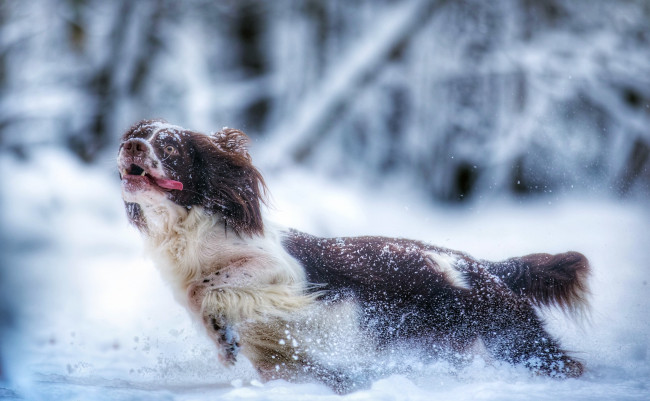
{"type": "Point", "coordinates": [233, 141]}
{"type": "Point", "coordinates": [228, 182]}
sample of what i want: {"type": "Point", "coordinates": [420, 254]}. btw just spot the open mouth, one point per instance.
{"type": "Point", "coordinates": [134, 169]}
{"type": "Point", "coordinates": [135, 172]}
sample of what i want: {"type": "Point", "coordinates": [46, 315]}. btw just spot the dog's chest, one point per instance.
{"type": "Point", "coordinates": [193, 248]}
{"type": "Point", "coordinates": [199, 246]}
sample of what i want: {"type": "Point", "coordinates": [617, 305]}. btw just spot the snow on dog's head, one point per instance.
{"type": "Point", "coordinates": [166, 166]}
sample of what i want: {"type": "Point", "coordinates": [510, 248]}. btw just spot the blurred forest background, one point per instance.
{"type": "Point", "coordinates": [459, 98]}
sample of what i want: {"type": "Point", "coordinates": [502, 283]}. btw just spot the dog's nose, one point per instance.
{"type": "Point", "coordinates": [135, 147]}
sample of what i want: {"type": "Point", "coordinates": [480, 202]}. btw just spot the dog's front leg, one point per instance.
{"type": "Point", "coordinates": [224, 335]}
{"type": "Point", "coordinates": [213, 306]}
{"type": "Point", "coordinates": [230, 300]}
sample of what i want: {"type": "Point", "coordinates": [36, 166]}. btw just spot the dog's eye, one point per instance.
{"type": "Point", "coordinates": [170, 150]}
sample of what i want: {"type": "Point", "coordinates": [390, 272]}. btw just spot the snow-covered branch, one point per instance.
{"type": "Point", "coordinates": [294, 137]}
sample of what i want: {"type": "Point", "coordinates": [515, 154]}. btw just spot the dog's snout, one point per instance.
{"type": "Point", "coordinates": [135, 147]}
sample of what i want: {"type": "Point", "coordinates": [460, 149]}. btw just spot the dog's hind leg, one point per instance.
{"type": "Point", "coordinates": [512, 331]}
{"type": "Point", "coordinates": [519, 338]}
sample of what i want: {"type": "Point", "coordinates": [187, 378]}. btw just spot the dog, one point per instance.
{"type": "Point", "coordinates": [303, 307]}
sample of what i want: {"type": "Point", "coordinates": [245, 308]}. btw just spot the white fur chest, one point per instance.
{"type": "Point", "coordinates": [187, 245]}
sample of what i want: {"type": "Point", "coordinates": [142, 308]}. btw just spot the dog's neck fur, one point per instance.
{"type": "Point", "coordinates": [189, 244]}
{"type": "Point", "coordinates": [175, 238]}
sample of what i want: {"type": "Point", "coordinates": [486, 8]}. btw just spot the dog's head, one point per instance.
{"type": "Point", "coordinates": [159, 163]}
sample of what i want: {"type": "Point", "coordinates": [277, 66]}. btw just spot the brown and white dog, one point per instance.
{"type": "Point", "coordinates": [301, 306]}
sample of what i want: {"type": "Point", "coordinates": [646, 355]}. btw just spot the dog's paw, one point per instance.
{"type": "Point", "coordinates": [558, 366]}
{"type": "Point", "coordinates": [569, 368]}
{"type": "Point", "coordinates": [227, 339]}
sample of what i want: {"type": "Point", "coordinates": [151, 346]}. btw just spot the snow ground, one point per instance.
{"type": "Point", "coordinates": [95, 322]}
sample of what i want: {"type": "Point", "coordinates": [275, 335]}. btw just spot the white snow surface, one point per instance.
{"type": "Point", "coordinates": [93, 320]}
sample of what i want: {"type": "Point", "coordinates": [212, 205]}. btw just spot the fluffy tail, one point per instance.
{"type": "Point", "coordinates": [548, 280]}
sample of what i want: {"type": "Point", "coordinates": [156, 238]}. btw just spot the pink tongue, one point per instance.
{"type": "Point", "coordinates": [169, 184]}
